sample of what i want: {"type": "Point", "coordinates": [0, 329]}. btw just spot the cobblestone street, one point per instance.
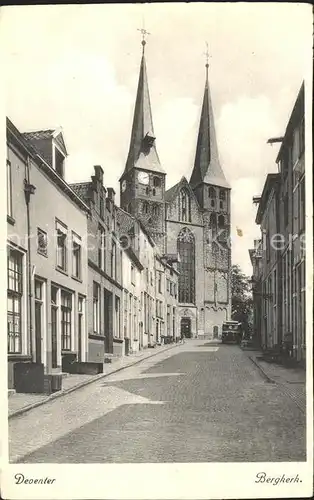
{"type": "Point", "coordinates": [198, 402]}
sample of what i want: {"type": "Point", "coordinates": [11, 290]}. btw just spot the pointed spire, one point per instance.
{"type": "Point", "coordinates": [207, 166]}
{"type": "Point", "coordinates": [142, 151]}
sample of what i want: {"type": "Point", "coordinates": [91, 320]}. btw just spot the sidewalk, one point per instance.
{"type": "Point", "coordinates": [20, 403]}
{"type": "Point", "coordinates": [292, 381]}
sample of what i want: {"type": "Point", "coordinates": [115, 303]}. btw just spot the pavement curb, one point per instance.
{"type": "Point", "coordinates": [59, 394]}
{"type": "Point", "coordinates": [264, 374]}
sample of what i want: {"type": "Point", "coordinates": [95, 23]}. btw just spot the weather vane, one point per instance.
{"type": "Point", "coordinates": [207, 55]}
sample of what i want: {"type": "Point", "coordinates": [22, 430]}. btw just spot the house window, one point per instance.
{"type": "Point", "coordinates": [101, 206]}
{"type": "Point", "coordinates": [302, 139]}
{"type": "Point", "coordinates": [96, 311]}
{"type": "Point", "coordinates": [302, 204]}
{"type": "Point", "coordinates": [159, 281]}
{"type": "Point", "coordinates": [59, 162]}
{"type": "Point", "coordinates": [186, 250]}
{"type": "Point", "coordinates": [76, 256]}
{"type": "Point", "coordinates": [286, 210]}
{"type": "Point", "coordinates": [113, 259]}
{"type": "Point", "coordinates": [267, 246]}
{"type": "Point", "coordinates": [61, 247]}
{"type": "Point", "coordinates": [102, 248]}
{"type": "Point", "coordinates": [295, 145]}
{"type": "Point", "coordinates": [42, 242]}
{"type": "Point", "coordinates": [184, 206]}
{"type": "Point", "coordinates": [15, 294]}
{"type": "Point", "coordinates": [9, 189]}
{"type": "Point", "coordinates": [66, 320]}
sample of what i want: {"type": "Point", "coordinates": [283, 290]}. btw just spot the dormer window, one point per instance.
{"type": "Point", "coordinates": [59, 162]}
{"type": "Point", "coordinates": [148, 141]}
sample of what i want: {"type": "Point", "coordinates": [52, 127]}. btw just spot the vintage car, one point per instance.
{"type": "Point", "coordinates": [231, 332]}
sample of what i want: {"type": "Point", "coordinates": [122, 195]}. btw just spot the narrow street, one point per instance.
{"type": "Point", "coordinates": [198, 402]}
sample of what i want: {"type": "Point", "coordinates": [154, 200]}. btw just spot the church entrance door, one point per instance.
{"type": "Point", "coordinates": [186, 327]}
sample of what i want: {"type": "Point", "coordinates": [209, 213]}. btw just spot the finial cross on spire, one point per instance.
{"type": "Point", "coordinates": [144, 32]}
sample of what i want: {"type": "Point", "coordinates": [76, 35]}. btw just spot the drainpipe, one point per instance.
{"type": "Point", "coordinates": [28, 190]}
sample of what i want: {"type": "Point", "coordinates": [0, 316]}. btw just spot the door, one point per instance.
{"type": "Point", "coordinates": [186, 327]}
{"type": "Point", "coordinates": [80, 327]}
{"type": "Point", "coordinates": [54, 336]}
{"type": "Point", "coordinates": [38, 331]}
{"type": "Point", "coordinates": [215, 332]}
{"type": "Point", "coordinates": [38, 320]}
{"type": "Point", "coordinates": [108, 321]}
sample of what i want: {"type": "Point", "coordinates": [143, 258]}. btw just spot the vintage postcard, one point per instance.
{"type": "Point", "coordinates": [157, 251]}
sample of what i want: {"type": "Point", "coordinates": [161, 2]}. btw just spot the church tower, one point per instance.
{"type": "Point", "coordinates": [142, 184]}
{"type": "Point", "coordinates": [213, 194]}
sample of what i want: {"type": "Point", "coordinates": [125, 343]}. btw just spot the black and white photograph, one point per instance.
{"type": "Point", "coordinates": [157, 251]}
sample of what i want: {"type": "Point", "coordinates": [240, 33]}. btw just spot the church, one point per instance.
{"type": "Point", "coordinates": [189, 221]}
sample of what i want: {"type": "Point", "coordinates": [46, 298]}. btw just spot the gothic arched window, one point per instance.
{"type": "Point", "coordinates": [222, 194]}
{"type": "Point", "coordinates": [184, 206]}
{"type": "Point", "coordinates": [186, 250]}
{"type": "Point", "coordinates": [145, 208]}
{"type": "Point", "coordinates": [212, 192]}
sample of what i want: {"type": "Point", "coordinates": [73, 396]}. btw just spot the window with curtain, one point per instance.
{"type": "Point", "coordinates": [15, 295]}
{"type": "Point", "coordinates": [186, 250]}
{"type": "Point", "coordinates": [184, 206]}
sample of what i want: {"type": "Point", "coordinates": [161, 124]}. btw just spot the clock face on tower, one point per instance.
{"type": "Point", "coordinates": [123, 186]}
{"type": "Point", "coordinates": [143, 177]}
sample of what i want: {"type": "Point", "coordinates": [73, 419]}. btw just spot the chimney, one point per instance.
{"type": "Point", "coordinates": [111, 194]}
{"type": "Point", "coordinates": [99, 173]}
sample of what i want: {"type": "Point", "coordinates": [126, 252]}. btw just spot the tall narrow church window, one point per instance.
{"type": "Point", "coordinates": [221, 221]}
{"type": "Point", "coordinates": [155, 210]}
{"type": "Point", "coordinates": [211, 192]}
{"type": "Point", "coordinates": [222, 194]}
{"type": "Point", "coordinates": [145, 208]}
{"type": "Point", "coordinates": [184, 206]}
{"type": "Point", "coordinates": [213, 220]}
{"type": "Point", "coordinates": [186, 250]}
{"type": "Point", "coordinates": [156, 182]}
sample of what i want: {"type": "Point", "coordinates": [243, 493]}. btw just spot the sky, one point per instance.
{"type": "Point", "coordinates": [77, 66]}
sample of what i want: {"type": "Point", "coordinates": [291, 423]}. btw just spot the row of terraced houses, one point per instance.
{"type": "Point", "coordinates": [85, 279]}
{"type": "Point", "coordinates": [278, 257]}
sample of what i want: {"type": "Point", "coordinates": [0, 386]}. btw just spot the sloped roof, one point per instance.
{"type": "Point", "coordinates": [207, 166]}
{"type": "Point", "coordinates": [142, 126]}
{"type": "Point", "coordinates": [39, 134]}
{"type": "Point", "coordinates": [43, 135]}
{"type": "Point", "coordinates": [81, 189]}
